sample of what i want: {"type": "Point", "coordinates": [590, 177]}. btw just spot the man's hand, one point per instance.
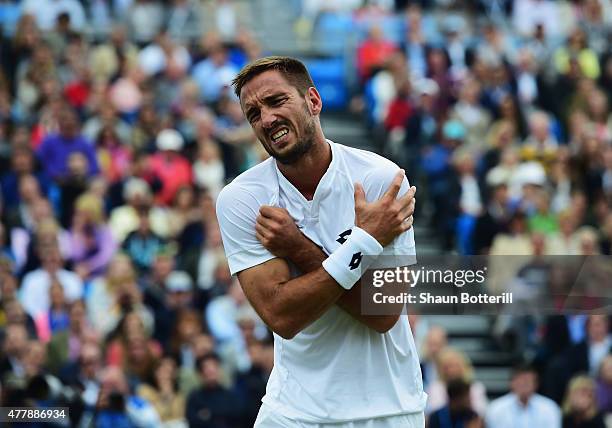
{"type": "Point", "coordinates": [387, 217]}
{"type": "Point", "coordinates": [277, 231]}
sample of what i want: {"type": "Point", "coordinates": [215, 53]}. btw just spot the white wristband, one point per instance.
{"type": "Point", "coordinates": [346, 264]}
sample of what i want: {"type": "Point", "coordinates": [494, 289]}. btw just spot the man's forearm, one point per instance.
{"type": "Point", "coordinates": [308, 257]}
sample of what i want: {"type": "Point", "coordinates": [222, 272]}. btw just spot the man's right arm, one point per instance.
{"type": "Point", "coordinates": [288, 305]}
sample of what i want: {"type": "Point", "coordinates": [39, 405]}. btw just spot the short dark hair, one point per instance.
{"type": "Point", "coordinates": [292, 69]}
{"type": "Point", "coordinates": [523, 368]}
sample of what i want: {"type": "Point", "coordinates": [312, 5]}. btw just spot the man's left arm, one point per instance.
{"type": "Point", "coordinates": [277, 231]}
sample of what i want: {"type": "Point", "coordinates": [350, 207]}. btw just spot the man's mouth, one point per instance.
{"type": "Point", "coordinates": [279, 135]}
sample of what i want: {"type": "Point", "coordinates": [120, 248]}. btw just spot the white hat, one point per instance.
{"type": "Point", "coordinates": [531, 173]}
{"type": "Point", "coordinates": [178, 281]}
{"type": "Point", "coordinates": [170, 139]}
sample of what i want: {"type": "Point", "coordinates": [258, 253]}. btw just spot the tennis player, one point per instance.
{"type": "Point", "coordinates": [296, 229]}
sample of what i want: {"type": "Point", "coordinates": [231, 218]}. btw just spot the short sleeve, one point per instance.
{"type": "Point", "coordinates": [237, 210]}
{"type": "Point", "coordinates": [402, 251]}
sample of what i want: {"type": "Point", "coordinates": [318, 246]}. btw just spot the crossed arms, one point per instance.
{"type": "Point", "coordinates": [289, 305]}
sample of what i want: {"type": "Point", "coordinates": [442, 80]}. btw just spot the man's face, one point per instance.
{"type": "Point", "coordinates": [524, 385]}
{"type": "Point", "coordinates": [282, 119]}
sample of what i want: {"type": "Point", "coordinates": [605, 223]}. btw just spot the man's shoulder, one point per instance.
{"type": "Point", "coordinates": [257, 184]}
{"type": "Point", "coordinates": [502, 403]}
{"type": "Point", "coordinates": [366, 166]}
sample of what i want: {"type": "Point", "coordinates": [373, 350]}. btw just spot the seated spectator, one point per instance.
{"type": "Point", "coordinates": [251, 384]}
{"type": "Point", "coordinates": [56, 149]}
{"type": "Point", "coordinates": [14, 346]}
{"type": "Point", "coordinates": [169, 166]}
{"type": "Point", "coordinates": [214, 74]}
{"type": "Point", "coordinates": [57, 318]}
{"type": "Point", "coordinates": [435, 343]}
{"type": "Point", "coordinates": [161, 390]}
{"type": "Point", "coordinates": [208, 169]}
{"type": "Point", "coordinates": [108, 292]}
{"type": "Point", "coordinates": [187, 326]}
{"type": "Point", "coordinates": [130, 327]}
{"type": "Point", "coordinates": [183, 211]}
{"type": "Point", "coordinates": [113, 156]}
{"type": "Point", "coordinates": [523, 404]}
{"type": "Point", "coordinates": [23, 163]}
{"type": "Point", "coordinates": [212, 406]}
{"type": "Point", "coordinates": [543, 220]}
{"type": "Point", "coordinates": [604, 385]}
{"type": "Point", "coordinates": [454, 365]}
{"type": "Point", "coordinates": [373, 52]}
{"type": "Point", "coordinates": [580, 407]}
{"type": "Point", "coordinates": [584, 357]}
{"type": "Point", "coordinates": [540, 145]}
{"type": "Point", "coordinates": [92, 243]}
{"type": "Point", "coordinates": [142, 244]}
{"type": "Point", "coordinates": [125, 218]}
{"type": "Point", "coordinates": [458, 411]}
{"type": "Point", "coordinates": [474, 117]}
{"type": "Point", "coordinates": [577, 49]}
{"type": "Point", "coordinates": [65, 346]}
{"type": "Point", "coordinates": [34, 292]}
{"type": "Point", "coordinates": [117, 406]}
{"type": "Point", "coordinates": [83, 374]}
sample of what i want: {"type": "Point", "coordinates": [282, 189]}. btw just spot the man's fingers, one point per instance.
{"type": "Point", "coordinates": [262, 231]}
{"type": "Point", "coordinates": [271, 212]}
{"type": "Point", "coordinates": [408, 210]}
{"type": "Point", "coordinates": [404, 200]}
{"type": "Point", "coordinates": [359, 195]}
{"type": "Point", "coordinates": [395, 185]}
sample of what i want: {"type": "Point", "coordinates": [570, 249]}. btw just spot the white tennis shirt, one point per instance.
{"type": "Point", "coordinates": [336, 369]}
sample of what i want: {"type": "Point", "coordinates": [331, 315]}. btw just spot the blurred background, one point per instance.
{"type": "Point", "coordinates": [118, 129]}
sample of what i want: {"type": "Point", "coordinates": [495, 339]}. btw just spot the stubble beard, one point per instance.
{"type": "Point", "coordinates": [301, 147]}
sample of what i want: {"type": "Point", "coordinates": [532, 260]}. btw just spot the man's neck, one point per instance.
{"type": "Point", "coordinates": [306, 173]}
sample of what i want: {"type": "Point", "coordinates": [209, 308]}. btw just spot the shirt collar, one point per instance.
{"type": "Point", "coordinates": [324, 186]}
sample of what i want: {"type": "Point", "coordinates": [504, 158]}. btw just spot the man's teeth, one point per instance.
{"type": "Point", "coordinates": [279, 134]}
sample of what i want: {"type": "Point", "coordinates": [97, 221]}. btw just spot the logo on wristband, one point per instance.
{"type": "Point", "coordinates": [355, 261]}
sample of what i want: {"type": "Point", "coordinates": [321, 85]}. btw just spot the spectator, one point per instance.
{"type": "Point", "coordinates": [57, 318]}
{"type": "Point", "coordinates": [126, 218]}
{"type": "Point", "coordinates": [212, 405]}
{"type": "Point", "coordinates": [454, 365]}
{"type": "Point", "coordinates": [84, 374]}
{"type": "Point", "coordinates": [584, 357]}
{"type": "Point", "coordinates": [65, 346]}
{"type": "Point", "coordinates": [47, 12]}
{"type": "Point", "coordinates": [145, 19]}
{"type": "Point", "coordinates": [14, 346]}
{"type": "Point", "coordinates": [107, 293]}
{"type": "Point", "coordinates": [118, 406]}
{"type": "Point", "coordinates": [522, 405]}
{"type": "Point", "coordinates": [34, 293]}
{"type": "Point", "coordinates": [604, 385]}
{"type": "Point", "coordinates": [161, 391]}
{"type": "Point", "coordinates": [435, 343]}
{"type": "Point", "coordinates": [169, 166]}
{"type": "Point", "coordinates": [458, 411]}
{"type": "Point", "coordinates": [580, 406]}
{"type": "Point", "coordinates": [92, 242]}
{"type": "Point", "coordinates": [373, 52]}
{"type": "Point", "coordinates": [55, 150]}
{"type": "Point", "coordinates": [214, 74]}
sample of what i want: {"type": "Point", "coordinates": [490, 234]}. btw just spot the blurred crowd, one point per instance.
{"type": "Point", "coordinates": [569, 386]}
{"type": "Point", "coordinates": [500, 112]}
{"type": "Point", "coordinates": [118, 128]}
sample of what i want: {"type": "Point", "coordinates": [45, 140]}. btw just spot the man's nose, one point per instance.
{"type": "Point", "coordinates": [268, 118]}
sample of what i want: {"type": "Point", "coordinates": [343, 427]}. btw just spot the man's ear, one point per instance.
{"type": "Point", "coordinates": [313, 99]}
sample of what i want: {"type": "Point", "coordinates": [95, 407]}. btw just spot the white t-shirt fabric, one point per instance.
{"type": "Point", "coordinates": [336, 369]}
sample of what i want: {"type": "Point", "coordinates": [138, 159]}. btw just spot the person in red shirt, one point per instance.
{"type": "Point", "coordinates": [373, 53]}
{"type": "Point", "coordinates": [169, 166]}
